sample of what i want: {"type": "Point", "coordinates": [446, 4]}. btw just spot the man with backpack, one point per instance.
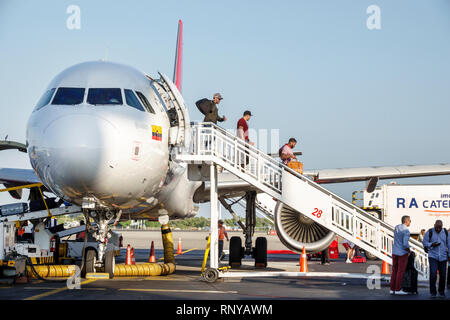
{"type": "Point", "coordinates": [436, 244]}
{"type": "Point", "coordinates": [210, 110]}
{"type": "Point", "coordinates": [288, 157]}
{"type": "Point", "coordinates": [286, 154]}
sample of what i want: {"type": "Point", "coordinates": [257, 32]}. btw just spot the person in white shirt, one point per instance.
{"type": "Point", "coordinates": [350, 248]}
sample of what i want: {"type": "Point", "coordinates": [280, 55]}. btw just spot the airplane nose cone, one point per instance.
{"type": "Point", "coordinates": [78, 151]}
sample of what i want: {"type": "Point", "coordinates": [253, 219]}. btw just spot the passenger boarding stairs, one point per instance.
{"type": "Point", "coordinates": [213, 145]}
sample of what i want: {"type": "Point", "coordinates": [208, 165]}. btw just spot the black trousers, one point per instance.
{"type": "Point", "coordinates": [325, 256]}
{"type": "Point", "coordinates": [220, 248]}
{"type": "Point", "coordinates": [436, 265]}
{"type": "Point", "coordinates": [448, 277]}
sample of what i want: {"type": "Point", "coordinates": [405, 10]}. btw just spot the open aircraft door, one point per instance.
{"type": "Point", "coordinates": [180, 126]}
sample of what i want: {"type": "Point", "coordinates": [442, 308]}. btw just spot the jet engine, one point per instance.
{"type": "Point", "coordinates": [296, 230]}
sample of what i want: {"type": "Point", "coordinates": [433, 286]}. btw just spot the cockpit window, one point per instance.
{"type": "Point", "coordinates": [68, 96]}
{"type": "Point", "coordinates": [45, 99]}
{"type": "Point", "coordinates": [104, 96]}
{"type": "Point", "coordinates": [132, 101]}
{"type": "Point", "coordinates": [145, 102]}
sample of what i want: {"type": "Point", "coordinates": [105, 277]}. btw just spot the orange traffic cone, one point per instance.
{"type": "Point", "coordinates": [152, 253]}
{"type": "Point", "coordinates": [128, 256]}
{"type": "Point", "coordinates": [385, 268]}
{"type": "Point", "coordinates": [179, 251]}
{"type": "Point", "coordinates": [303, 261]}
{"type": "Point", "coordinates": [133, 257]}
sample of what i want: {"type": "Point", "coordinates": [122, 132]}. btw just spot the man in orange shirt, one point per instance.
{"type": "Point", "coordinates": [222, 234]}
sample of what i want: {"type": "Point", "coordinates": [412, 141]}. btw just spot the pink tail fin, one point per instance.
{"type": "Point", "coordinates": [177, 72]}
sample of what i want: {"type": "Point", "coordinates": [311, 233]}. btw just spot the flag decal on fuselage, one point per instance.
{"type": "Point", "coordinates": [156, 133]}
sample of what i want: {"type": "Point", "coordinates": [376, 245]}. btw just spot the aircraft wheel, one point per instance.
{"type": "Point", "coordinates": [370, 256]}
{"type": "Point", "coordinates": [91, 259]}
{"type": "Point", "coordinates": [261, 251]}
{"type": "Point", "coordinates": [236, 253]}
{"type": "Point", "coordinates": [110, 263]}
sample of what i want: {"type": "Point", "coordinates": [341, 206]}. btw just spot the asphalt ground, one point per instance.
{"type": "Point", "coordinates": [186, 284]}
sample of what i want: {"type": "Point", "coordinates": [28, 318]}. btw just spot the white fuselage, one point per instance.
{"type": "Point", "coordinates": [113, 153]}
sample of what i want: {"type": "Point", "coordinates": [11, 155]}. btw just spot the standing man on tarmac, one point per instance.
{"type": "Point", "coordinates": [211, 110]}
{"type": "Point", "coordinates": [436, 241]}
{"type": "Point", "coordinates": [400, 252]}
{"type": "Point", "coordinates": [222, 234]}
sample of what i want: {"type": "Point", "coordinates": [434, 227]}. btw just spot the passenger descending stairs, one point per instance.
{"type": "Point", "coordinates": [211, 144]}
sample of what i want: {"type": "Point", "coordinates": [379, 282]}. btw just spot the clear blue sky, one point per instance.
{"type": "Point", "coordinates": [352, 97]}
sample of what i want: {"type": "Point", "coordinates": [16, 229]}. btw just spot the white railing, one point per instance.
{"type": "Point", "coordinates": [210, 139]}
{"type": "Point", "coordinates": [212, 143]}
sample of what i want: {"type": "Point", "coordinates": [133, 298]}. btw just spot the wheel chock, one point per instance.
{"type": "Point", "coordinates": [97, 275]}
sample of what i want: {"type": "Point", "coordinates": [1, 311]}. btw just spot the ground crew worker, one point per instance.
{"type": "Point", "coordinates": [222, 234]}
{"type": "Point", "coordinates": [400, 252]}
{"type": "Point", "coordinates": [437, 243]}
{"type": "Point", "coordinates": [286, 154]}
{"type": "Point", "coordinates": [213, 113]}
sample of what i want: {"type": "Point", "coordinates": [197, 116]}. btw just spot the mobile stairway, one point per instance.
{"type": "Point", "coordinates": [214, 146]}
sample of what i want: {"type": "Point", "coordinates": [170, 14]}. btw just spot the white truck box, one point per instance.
{"type": "Point", "coordinates": [423, 203]}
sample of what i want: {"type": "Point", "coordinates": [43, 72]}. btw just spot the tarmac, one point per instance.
{"type": "Point", "coordinates": [187, 284]}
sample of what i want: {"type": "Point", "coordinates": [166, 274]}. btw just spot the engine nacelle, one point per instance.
{"type": "Point", "coordinates": [296, 230]}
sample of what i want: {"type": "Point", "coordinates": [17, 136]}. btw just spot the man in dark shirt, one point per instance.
{"type": "Point", "coordinates": [213, 114]}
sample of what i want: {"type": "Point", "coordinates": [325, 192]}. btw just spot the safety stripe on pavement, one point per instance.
{"type": "Point", "coordinates": [177, 290]}
{"type": "Point", "coordinates": [180, 253]}
{"type": "Point", "coordinates": [49, 293]}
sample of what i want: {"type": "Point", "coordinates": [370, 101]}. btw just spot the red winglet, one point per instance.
{"type": "Point", "coordinates": [177, 72]}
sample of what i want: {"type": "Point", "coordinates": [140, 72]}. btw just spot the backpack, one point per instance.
{"type": "Point", "coordinates": [430, 234]}
{"type": "Point", "coordinates": [409, 281]}
{"type": "Point", "coordinates": [281, 150]}
{"type": "Point", "coordinates": [204, 106]}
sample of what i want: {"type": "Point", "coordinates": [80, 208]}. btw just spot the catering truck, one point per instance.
{"type": "Point", "coordinates": [423, 203]}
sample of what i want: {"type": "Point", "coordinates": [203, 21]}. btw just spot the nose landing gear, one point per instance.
{"type": "Point", "coordinates": [101, 231]}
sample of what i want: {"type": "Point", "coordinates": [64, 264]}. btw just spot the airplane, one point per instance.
{"type": "Point", "coordinates": [102, 135]}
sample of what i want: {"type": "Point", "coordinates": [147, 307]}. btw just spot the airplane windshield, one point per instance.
{"type": "Point", "coordinates": [145, 101]}
{"type": "Point", "coordinates": [132, 101]}
{"type": "Point", "coordinates": [104, 96]}
{"type": "Point", "coordinates": [68, 96]}
{"type": "Point", "coordinates": [45, 99]}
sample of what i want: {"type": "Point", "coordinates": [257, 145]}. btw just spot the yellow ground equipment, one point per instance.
{"type": "Point", "coordinates": [51, 271]}
{"type": "Point", "coordinates": [152, 269]}
{"type": "Point", "coordinates": [144, 269]}
{"type": "Point", "coordinates": [210, 274]}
